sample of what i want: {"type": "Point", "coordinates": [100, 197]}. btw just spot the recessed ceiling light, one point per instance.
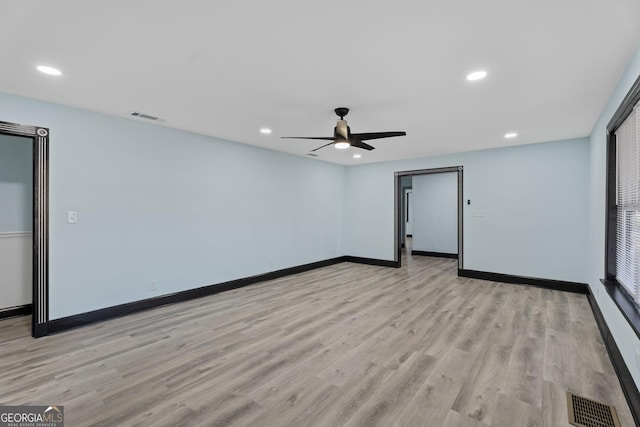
{"type": "Point", "coordinates": [342, 145]}
{"type": "Point", "coordinates": [510, 135]}
{"type": "Point", "coordinates": [477, 75]}
{"type": "Point", "coordinates": [265, 131]}
{"type": "Point", "coordinates": [357, 156]}
{"type": "Point", "coordinates": [49, 70]}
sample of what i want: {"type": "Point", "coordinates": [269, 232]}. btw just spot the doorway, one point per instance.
{"type": "Point", "coordinates": [402, 208]}
{"type": "Point", "coordinates": [405, 207]}
{"type": "Point", "coordinates": [16, 212]}
{"type": "Point", "coordinates": [38, 137]}
{"type": "Point", "coordinates": [408, 215]}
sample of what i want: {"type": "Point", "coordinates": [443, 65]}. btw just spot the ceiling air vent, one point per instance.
{"type": "Point", "coordinates": [145, 116]}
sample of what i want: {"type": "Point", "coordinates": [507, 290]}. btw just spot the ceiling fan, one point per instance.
{"type": "Point", "coordinates": [343, 138]}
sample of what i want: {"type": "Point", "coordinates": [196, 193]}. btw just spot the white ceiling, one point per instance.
{"type": "Point", "coordinates": [228, 68]}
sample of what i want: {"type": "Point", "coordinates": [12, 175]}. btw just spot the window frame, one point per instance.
{"type": "Point", "coordinates": [618, 293]}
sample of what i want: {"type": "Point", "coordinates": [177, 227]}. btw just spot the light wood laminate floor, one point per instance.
{"type": "Point", "coordinates": [345, 345]}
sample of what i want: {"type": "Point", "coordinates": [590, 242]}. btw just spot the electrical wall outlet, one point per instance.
{"type": "Point", "coordinates": [638, 360]}
{"type": "Point", "coordinates": [153, 285]}
{"type": "Point", "coordinates": [72, 217]}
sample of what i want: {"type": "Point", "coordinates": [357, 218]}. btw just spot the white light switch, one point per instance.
{"type": "Point", "coordinates": [478, 212]}
{"type": "Point", "coordinates": [72, 217]}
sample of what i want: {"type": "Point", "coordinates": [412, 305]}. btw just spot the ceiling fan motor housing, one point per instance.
{"type": "Point", "coordinates": [341, 131]}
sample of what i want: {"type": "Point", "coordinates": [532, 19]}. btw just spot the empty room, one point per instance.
{"type": "Point", "coordinates": [320, 214]}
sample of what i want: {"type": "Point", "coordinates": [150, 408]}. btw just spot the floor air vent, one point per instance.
{"type": "Point", "coordinates": [585, 412]}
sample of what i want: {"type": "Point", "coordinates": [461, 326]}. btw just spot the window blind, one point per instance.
{"type": "Point", "coordinates": [628, 204]}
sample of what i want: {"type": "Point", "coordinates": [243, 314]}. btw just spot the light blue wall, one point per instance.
{"type": "Point", "coordinates": [624, 336]}
{"type": "Point", "coordinates": [435, 212]}
{"type": "Point", "coordinates": [529, 196]}
{"type": "Point", "coordinates": [16, 183]}
{"type": "Point", "coordinates": [182, 209]}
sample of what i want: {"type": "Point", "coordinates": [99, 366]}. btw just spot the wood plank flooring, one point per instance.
{"type": "Point", "coordinates": [345, 345]}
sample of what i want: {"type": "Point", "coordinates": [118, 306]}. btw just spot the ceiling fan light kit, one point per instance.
{"type": "Point", "coordinates": [343, 138]}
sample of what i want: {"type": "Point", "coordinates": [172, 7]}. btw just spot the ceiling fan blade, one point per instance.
{"type": "Point", "coordinates": [376, 135]}
{"type": "Point", "coordinates": [324, 138]}
{"type": "Point", "coordinates": [360, 144]}
{"type": "Point", "coordinates": [322, 146]}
